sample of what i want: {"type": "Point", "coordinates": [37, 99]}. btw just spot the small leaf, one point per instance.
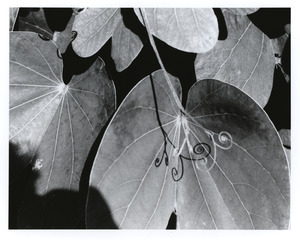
{"type": "Point", "coordinates": [13, 13]}
{"type": "Point", "coordinates": [35, 21]}
{"type": "Point", "coordinates": [278, 44]}
{"type": "Point", "coordinates": [187, 29]}
{"type": "Point", "coordinates": [245, 59]}
{"type": "Point", "coordinates": [222, 166]}
{"type": "Point", "coordinates": [54, 123]}
{"type": "Point", "coordinates": [125, 46]}
{"type": "Point", "coordinates": [64, 38]}
{"type": "Point", "coordinates": [94, 26]}
{"type": "Point", "coordinates": [241, 11]}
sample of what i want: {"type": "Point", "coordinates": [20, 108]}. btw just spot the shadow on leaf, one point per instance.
{"type": "Point", "coordinates": [100, 218]}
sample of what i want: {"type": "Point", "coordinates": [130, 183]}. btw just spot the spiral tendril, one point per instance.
{"type": "Point", "coordinates": [73, 36]}
{"type": "Point", "coordinates": [225, 139]}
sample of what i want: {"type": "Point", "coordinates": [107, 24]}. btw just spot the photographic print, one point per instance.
{"type": "Point", "coordinates": [149, 118]}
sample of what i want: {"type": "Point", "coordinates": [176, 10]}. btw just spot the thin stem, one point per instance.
{"type": "Point", "coordinates": [173, 91]}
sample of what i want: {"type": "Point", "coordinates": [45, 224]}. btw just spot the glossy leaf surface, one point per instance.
{"type": "Point", "coordinates": [245, 59]}
{"type": "Point", "coordinates": [94, 26]}
{"type": "Point", "coordinates": [125, 46]}
{"type": "Point", "coordinates": [54, 123]}
{"type": "Point", "coordinates": [222, 166]}
{"type": "Point", "coordinates": [187, 29]}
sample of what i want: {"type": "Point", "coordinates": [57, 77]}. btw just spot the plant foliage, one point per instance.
{"type": "Point", "coordinates": [196, 137]}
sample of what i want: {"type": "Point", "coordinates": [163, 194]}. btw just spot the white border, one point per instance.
{"type": "Point", "coordinates": [150, 234]}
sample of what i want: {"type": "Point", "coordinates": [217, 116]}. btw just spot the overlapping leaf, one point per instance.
{"type": "Point", "coordinates": [35, 21]}
{"type": "Point", "coordinates": [245, 59]}
{"type": "Point", "coordinates": [13, 13]}
{"type": "Point", "coordinates": [285, 135]}
{"type": "Point", "coordinates": [187, 29]}
{"type": "Point", "coordinates": [94, 26]}
{"type": "Point", "coordinates": [278, 44]}
{"type": "Point", "coordinates": [222, 166]}
{"type": "Point", "coordinates": [125, 46]}
{"type": "Point", "coordinates": [54, 123]}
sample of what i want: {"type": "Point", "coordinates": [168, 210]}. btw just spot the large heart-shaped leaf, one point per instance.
{"type": "Point", "coordinates": [94, 26]}
{"type": "Point", "coordinates": [187, 29]}
{"type": "Point", "coordinates": [54, 123]}
{"type": "Point", "coordinates": [226, 61]}
{"type": "Point", "coordinates": [125, 46]}
{"type": "Point", "coordinates": [220, 166]}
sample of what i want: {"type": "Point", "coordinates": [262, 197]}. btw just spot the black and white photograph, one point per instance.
{"type": "Point", "coordinates": [157, 118]}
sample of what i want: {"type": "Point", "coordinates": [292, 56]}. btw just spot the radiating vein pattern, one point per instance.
{"type": "Point", "coordinates": [52, 123]}
{"type": "Point", "coordinates": [248, 185]}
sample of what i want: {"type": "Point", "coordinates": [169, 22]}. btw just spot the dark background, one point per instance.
{"type": "Point", "coordinates": [61, 203]}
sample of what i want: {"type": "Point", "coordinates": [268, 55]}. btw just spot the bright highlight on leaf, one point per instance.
{"type": "Point", "coordinates": [187, 29]}
{"type": "Point", "coordinates": [94, 26]}
{"type": "Point", "coordinates": [54, 123]}
{"type": "Point", "coordinates": [226, 61]}
{"type": "Point", "coordinates": [206, 154]}
{"type": "Point", "coordinates": [221, 166]}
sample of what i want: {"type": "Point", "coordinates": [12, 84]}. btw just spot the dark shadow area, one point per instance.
{"type": "Point", "coordinates": [124, 81]}
{"type": "Point", "coordinates": [271, 20]}
{"type": "Point", "coordinates": [99, 214]}
{"type": "Point", "coordinates": [279, 105]}
{"type": "Point", "coordinates": [64, 209]}
{"type": "Point", "coordinates": [172, 221]}
{"type": "Point", "coordinates": [19, 171]}
{"type": "Point", "coordinates": [85, 175]}
{"type": "Point", "coordinates": [58, 18]}
{"type": "Point", "coordinates": [223, 33]}
{"type": "Point", "coordinates": [178, 63]}
{"type": "Point", "coordinates": [24, 12]}
{"type": "Point", "coordinates": [58, 209]}
{"type": "Point", "coordinates": [32, 20]}
{"type": "Point", "coordinates": [27, 209]}
{"type": "Point", "coordinates": [75, 65]}
{"type": "Point", "coordinates": [132, 22]}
